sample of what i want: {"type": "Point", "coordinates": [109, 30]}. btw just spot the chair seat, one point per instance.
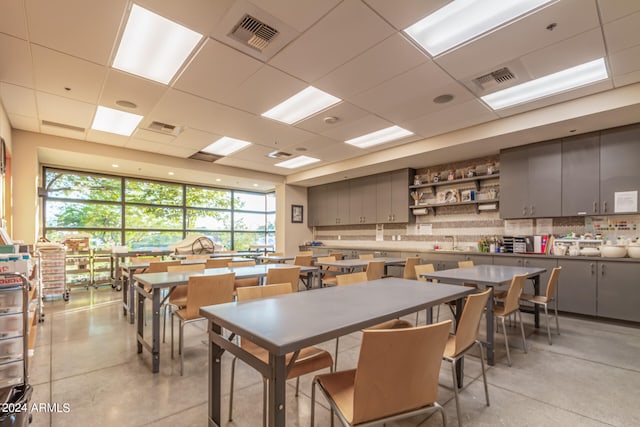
{"type": "Point", "coordinates": [251, 281]}
{"type": "Point", "coordinates": [499, 294]}
{"type": "Point", "coordinates": [179, 302]}
{"type": "Point", "coordinates": [182, 315]}
{"type": "Point", "coordinates": [540, 299]}
{"type": "Point", "coordinates": [499, 310]}
{"type": "Point", "coordinates": [340, 386]}
{"type": "Point", "coordinates": [309, 359]}
{"type": "Point", "coordinates": [330, 280]}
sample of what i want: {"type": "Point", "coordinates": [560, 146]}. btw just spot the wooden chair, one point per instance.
{"type": "Point", "coordinates": [511, 305]}
{"type": "Point", "coordinates": [304, 261]}
{"type": "Point", "coordinates": [374, 270]}
{"type": "Point", "coordinates": [338, 255]}
{"type": "Point", "coordinates": [467, 264]}
{"type": "Point", "coordinates": [249, 281]}
{"type": "Point", "coordinates": [548, 297]}
{"type": "Point", "coordinates": [327, 275]}
{"type": "Point", "coordinates": [289, 275]}
{"type": "Point", "coordinates": [351, 278]}
{"type": "Point", "coordinates": [304, 253]}
{"type": "Point", "coordinates": [218, 262]}
{"type": "Point", "coordinates": [309, 359]}
{"type": "Point", "coordinates": [465, 338]}
{"type": "Point", "coordinates": [201, 291]}
{"type": "Point", "coordinates": [365, 256]}
{"type": "Point", "coordinates": [423, 269]}
{"type": "Point", "coordinates": [396, 377]}
{"type": "Point", "coordinates": [197, 257]}
{"type": "Point", "coordinates": [178, 296]}
{"type": "Point", "coordinates": [409, 271]}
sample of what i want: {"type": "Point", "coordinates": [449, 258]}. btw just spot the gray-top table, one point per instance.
{"type": "Point", "coordinates": [116, 257]}
{"type": "Point", "coordinates": [246, 254]}
{"type": "Point", "coordinates": [159, 281]}
{"type": "Point", "coordinates": [288, 323]}
{"type": "Point", "coordinates": [348, 265]}
{"type": "Point", "coordinates": [280, 258]}
{"type": "Point", "coordinates": [492, 276]}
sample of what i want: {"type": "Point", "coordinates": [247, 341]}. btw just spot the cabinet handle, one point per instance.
{"type": "Point", "coordinates": [393, 217]}
{"type": "Point", "coordinates": [602, 269]}
{"type": "Point", "coordinates": [592, 270]}
{"type": "Point", "coordinates": [533, 208]}
{"type": "Point", "coordinates": [524, 211]}
{"type": "Point", "coordinates": [604, 206]}
{"type": "Point", "coordinates": [595, 207]}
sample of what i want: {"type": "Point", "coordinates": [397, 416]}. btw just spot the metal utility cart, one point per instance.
{"type": "Point", "coordinates": [15, 391]}
{"type": "Point", "coordinates": [52, 270]}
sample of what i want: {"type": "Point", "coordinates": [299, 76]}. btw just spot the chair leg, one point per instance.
{"type": "Point", "coordinates": [335, 359]}
{"type": "Point", "coordinates": [444, 415]}
{"type": "Point", "coordinates": [181, 346]}
{"type": "Point", "coordinates": [455, 391]}
{"type": "Point", "coordinates": [417, 313]}
{"type": "Point", "coordinates": [524, 341]}
{"type": "Point", "coordinates": [171, 320]}
{"type": "Point", "coordinates": [484, 375]}
{"type": "Point", "coordinates": [555, 308]}
{"type": "Point", "coordinates": [506, 340]}
{"type": "Point", "coordinates": [297, 385]}
{"type": "Point", "coordinates": [546, 318]}
{"type": "Point", "coordinates": [233, 375]}
{"type": "Point", "coordinates": [264, 402]}
{"type": "Point", "coordinates": [313, 401]}
{"type": "Point", "coordinates": [164, 323]}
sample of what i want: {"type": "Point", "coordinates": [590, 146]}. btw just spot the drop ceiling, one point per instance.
{"type": "Point", "coordinates": [55, 70]}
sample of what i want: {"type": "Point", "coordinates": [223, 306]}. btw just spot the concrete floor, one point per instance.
{"type": "Point", "coordinates": [85, 356]}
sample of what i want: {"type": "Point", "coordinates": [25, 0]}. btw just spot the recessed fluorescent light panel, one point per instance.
{"type": "Point", "coordinates": [154, 47]}
{"type": "Point", "coordinates": [115, 121]}
{"type": "Point", "coordinates": [301, 105]}
{"type": "Point", "coordinates": [463, 20]}
{"type": "Point", "coordinates": [379, 137]}
{"type": "Point", "coordinates": [225, 146]}
{"type": "Point", "coordinates": [551, 84]}
{"type": "Point", "coordinates": [297, 162]}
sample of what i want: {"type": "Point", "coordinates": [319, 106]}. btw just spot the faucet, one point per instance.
{"type": "Point", "coordinates": [453, 241]}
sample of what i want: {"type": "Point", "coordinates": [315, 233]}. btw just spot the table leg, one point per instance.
{"type": "Point", "coordinates": [277, 385]}
{"type": "Point", "coordinates": [536, 307]}
{"type": "Point", "coordinates": [215, 387]}
{"type": "Point", "coordinates": [140, 337]}
{"type": "Point", "coordinates": [131, 295]}
{"type": "Point", "coordinates": [460, 362]}
{"type": "Point", "coordinates": [126, 299]}
{"type": "Point", "coordinates": [156, 330]}
{"type": "Point", "coordinates": [490, 329]}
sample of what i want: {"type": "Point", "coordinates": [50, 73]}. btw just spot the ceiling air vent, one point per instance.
{"type": "Point", "coordinates": [165, 128]}
{"type": "Point", "coordinates": [205, 157]}
{"type": "Point", "coordinates": [254, 33]}
{"type": "Point", "coordinates": [278, 155]}
{"type": "Point", "coordinates": [62, 126]}
{"type": "Point", "coordinates": [494, 79]}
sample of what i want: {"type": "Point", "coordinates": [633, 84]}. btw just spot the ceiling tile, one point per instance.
{"type": "Point", "coordinates": [367, 124]}
{"type": "Point", "coordinates": [65, 111]}
{"type": "Point", "coordinates": [90, 27]}
{"type": "Point", "coordinates": [127, 87]}
{"type": "Point", "coordinates": [55, 71]}
{"type": "Point", "coordinates": [106, 138]}
{"type": "Point", "coordinates": [263, 90]}
{"type": "Point", "coordinates": [347, 31]}
{"type": "Point", "coordinates": [449, 119]}
{"type": "Point", "coordinates": [18, 100]}
{"type": "Point", "coordinates": [403, 13]}
{"type": "Point", "coordinates": [610, 10]}
{"type": "Point", "coordinates": [13, 20]}
{"type": "Point", "coordinates": [197, 15]}
{"type": "Point", "coordinates": [24, 123]}
{"type": "Point", "coordinates": [520, 38]}
{"type": "Point", "coordinates": [411, 94]}
{"type": "Point", "coordinates": [627, 79]}
{"type": "Point", "coordinates": [156, 137]}
{"type": "Point", "coordinates": [625, 61]}
{"type": "Point", "coordinates": [300, 14]}
{"type": "Point", "coordinates": [344, 111]}
{"type": "Point", "coordinates": [195, 139]}
{"type": "Point", "coordinates": [252, 164]}
{"type": "Point", "coordinates": [216, 70]}
{"type": "Point", "coordinates": [136, 143]}
{"type": "Point", "coordinates": [177, 151]}
{"type": "Point", "coordinates": [389, 58]}
{"type": "Point", "coordinates": [15, 66]}
{"type": "Point", "coordinates": [58, 131]}
{"type": "Point", "coordinates": [623, 33]}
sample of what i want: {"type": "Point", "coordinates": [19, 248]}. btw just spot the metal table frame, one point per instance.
{"type": "Point", "coordinates": [349, 265]}
{"type": "Point", "coordinates": [159, 281]}
{"type": "Point", "coordinates": [489, 276]}
{"type": "Point", "coordinates": [296, 326]}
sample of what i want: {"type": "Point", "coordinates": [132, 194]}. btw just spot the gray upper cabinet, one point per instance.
{"type": "Point", "coordinates": [315, 205]}
{"type": "Point", "coordinates": [337, 199]}
{"type": "Point", "coordinates": [393, 196]}
{"type": "Point", "coordinates": [529, 181]}
{"type": "Point", "coordinates": [363, 200]}
{"type": "Point", "coordinates": [581, 175]}
{"type": "Point", "coordinates": [619, 164]}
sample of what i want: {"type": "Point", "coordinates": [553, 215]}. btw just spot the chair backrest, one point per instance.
{"type": "Point", "coordinates": [303, 260]}
{"type": "Point", "coordinates": [512, 300]}
{"type": "Point", "coordinates": [467, 329]}
{"type": "Point", "coordinates": [304, 253]}
{"type": "Point", "coordinates": [249, 263]}
{"type": "Point", "coordinates": [208, 290]}
{"type": "Point", "coordinates": [326, 259]}
{"type": "Point", "coordinates": [553, 283]}
{"type": "Point", "coordinates": [217, 262]}
{"type": "Point", "coordinates": [149, 259]}
{"type": "Point", "coordinates": [276, 254]}
{"type": "Point", "coordinates": [351, 278]}
{"type": "Point", "coordinates": [375, 270]}
{"type": "Point", "coordinates": [365, 256]}
{"type": "Point", "coordinates": [161, 266]}
{"type": "Point", "coordinates": [203, 257]}
{"type": "Point", "coordinates": [289, 275]}
{"type": "Point", "coordinates": [256, 292]}
{"type": "Point", "coordinates": [185, 267]}
{"type": "Point", "coordinates": [465, 264]}
{"type": "Point", "coordinates": [398, 370]}
{"type": "Point", "coordinates": [338, 255]}
{"type": "Point", "coordinates": [423, 269]}
{"type": "Point", "coordinates": [409, 268]}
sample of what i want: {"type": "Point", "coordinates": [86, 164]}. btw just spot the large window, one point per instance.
{"type": "Point", "coordinates": [146, 214]}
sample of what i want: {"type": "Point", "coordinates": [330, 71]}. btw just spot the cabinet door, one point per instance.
{"type": "Point", "coordinates": [618, 291]}
{"type": "Point", "coordinates": [514, 177]}
{"type": "Point", "coordinates": [546, 263]}
{"type": "Point", "coordinates": [545, 177]}
{"type": "Point", "coordinates": [362, 200]}
{"type": "Point", "coordinates": [512, 261]}
{"type": "Point", "coordinates": [316, 205]}
{"type": "Point", "coordinates": [619, 171]}
{"type": "Point", "coordinates": [400, 195]}
{"type": "Point", "coordinates": [577, 286]}
{"type": "Point", "coordinates": [383, 201]}
{"type": "Point", "coordinates": [581, 175]}
{"type": "Point", "coordinates": [342, 202]}
{"type": "Point", "coordinates": [479, 259]}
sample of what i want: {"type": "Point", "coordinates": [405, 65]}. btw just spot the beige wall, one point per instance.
{"type": "Point", "coordinates": [289, 235]}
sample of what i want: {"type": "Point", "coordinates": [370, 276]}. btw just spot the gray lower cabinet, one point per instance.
{"type": "Point", "coordinates": [618, 290]}
{"type": "Point", "coordinates": [619, 171]}
{"type": "Point", "coordinates": [577, 286]}
{"type": "Point", "coordinates": [479, 259]}
{"type": "Point", "coordinates": [443, 261]}
{"type": "Point", "coordinates": [581, 175]}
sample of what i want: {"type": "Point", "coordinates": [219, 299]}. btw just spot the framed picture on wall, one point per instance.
{"type": "Point", "coordinates": [296, 213]}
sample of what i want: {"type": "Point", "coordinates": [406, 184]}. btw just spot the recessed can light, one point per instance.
{"type": "Point", "coordinates": [443, 99]}
{"type": "Point", "coordinates": [301, 149]}
{"type": "Point", "coordinates": [126, 104]}
{"type": "Point", "coordinates": [171, 173]}
{"type": "Point", "coordinates": [114, 165]}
